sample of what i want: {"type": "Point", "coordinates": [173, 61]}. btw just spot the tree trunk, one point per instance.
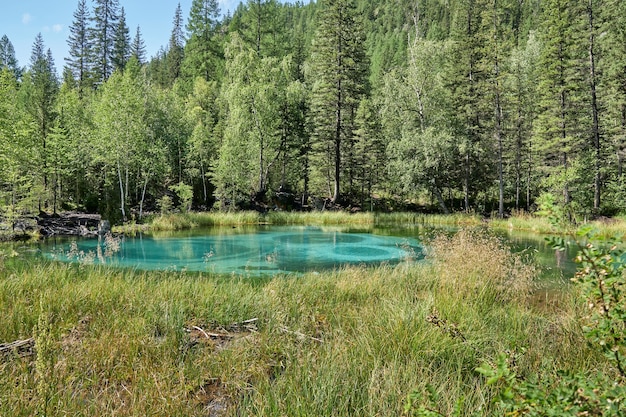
{"type": "Point", "coordinates": [143, 196]}
{"type": "Point", "coordinates": [337, 138]}
{"type": "Point", "coordinates": [594, 108]}
{"type": "Point", "coordinates": [498, 115]}
{"type": "Point", "coordinates": [122, 195]}
{"type": "Point", "coordinates": [440, 200]}
{"type": "Point", "coordinates": [466, 181]}
{"type": "Point", "coordinates": [204, 188]}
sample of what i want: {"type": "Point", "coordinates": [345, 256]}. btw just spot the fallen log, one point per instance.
{"type": "Point", "coordinates": [20, 348]}
{"type": "Point", "coordinates": [69, 224]}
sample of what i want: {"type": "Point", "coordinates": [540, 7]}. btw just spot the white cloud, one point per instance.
{"type": "Point", "coordinates": [26, 18]}
{"type": "Point", "coordinates": [54, 28]}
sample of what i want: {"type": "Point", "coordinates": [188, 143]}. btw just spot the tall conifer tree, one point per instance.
{"type": "Point", "coordinates": [80, 46]}
{"type": "Point", "coordinates": [202, 50]}
{"type": "Point", "coordinates": [121, 45]}
{"type": "Point", "coordinates": [7, 57]}
{"type": "Point", "coordinates": [175, 50]}
{"type": "Point", "coordinates": [257, 22]}
{"type": "Point", "coordinates": [560, 89]}
{"type": "Point", "coordinates": [467, 85]}
{"type": "Point", "coordinates": [339, 70]}
{"type": "Point", "coordinates": [105, 19]}
{"type": "Point", "coordinates": [614, 82]}
{"type": "Point", "coordinates": [41, 92]}
{"type": "Point", "coordinates": [138, 47]}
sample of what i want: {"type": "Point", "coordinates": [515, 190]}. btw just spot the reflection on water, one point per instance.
{"type": "Point", "coordinates": [557, 265]}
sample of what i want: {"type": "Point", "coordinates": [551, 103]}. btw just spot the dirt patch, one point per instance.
{"type": "Point", "coordinates": [74, 336]}
{"type": "Point", "coordinates": [219, 337]}
{"type": "Point", "coordinates": [213, 397]}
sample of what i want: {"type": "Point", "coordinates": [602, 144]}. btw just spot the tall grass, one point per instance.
{"type": "Point", "coordinates": [352, 342]}
{"type": "Point", "coordinates": [191, 220]}
{"type": "Point", "coordinates": [525, 222]}
{"type": "Point", "coordinates": [318, 218]}
{"type": "Point", "coordinates": [455, 219]}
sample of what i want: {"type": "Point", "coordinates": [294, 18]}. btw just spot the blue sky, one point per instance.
{"type": "Point", "coordinates": [22, 20]}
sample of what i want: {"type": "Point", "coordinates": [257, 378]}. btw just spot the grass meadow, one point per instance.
{"type": "Point", "coordinates": [350, 342]}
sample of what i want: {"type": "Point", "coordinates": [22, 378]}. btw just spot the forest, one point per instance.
{"type": "Point", "coordinates": [484, 106]}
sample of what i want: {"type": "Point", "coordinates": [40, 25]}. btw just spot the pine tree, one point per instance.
{"type": "Point", "coordinates": [80, 46]}
{"type": "Point", "coordinates": [258, 25]}
{"type": "Point", "coordinates": [466, 81]}
{"type": "Point", "coordinates": [339, 81]}
{"type": "Point", "coordinates": [521, 89]}
{"type": "Point", "coordinates": [175, 51]}
{"type": "Point", "coordinates": [559, 126]}
{"type": "Point", "coordinates": [593, 20]}
{"type": "Point", "coordinates": [7, 57]}
{"type": "Point", "coordinates": [202, 51]}
{"type": "Point", "coordinates": [138, 47]}
{"type": "Point", "coordinates": [121, 45]}
{"type": "Point", "coordinates": [41, 91]}
{"type": "Point", "coordinates": [105, 19]}
{"type": "Point", "coordinates": [496, 31]}
{"type": "Point", "coordinates": [614, 83]}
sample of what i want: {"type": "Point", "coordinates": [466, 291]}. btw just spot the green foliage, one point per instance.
{"type": "Point", "coordinates": [7, 57]}
{"type": "Point", "coordinates": [105, 24]}
{"type": "Point", "coordinates": [602, 289]}
{"type": "Point", "coordinates": [338, 77]}
{"type": "Point", "coordinates": [451, 105]}
{"type": "Point", "coordinates": [121, 44]}
{"type": "Point", "coordinates": [415, 405]}
{"type": "Point", "coordinates": [203, 49]}
{"type": "Point", "coordinates": [602, 284]}
{"type": "Point", "coordinates": [165, 204]}
{"type": "Point", "coordinates": [184, 193]}
{"type": "Point", "coordinates": [566, 395]}
{"type": "Point", "coordinates": [547, 206]}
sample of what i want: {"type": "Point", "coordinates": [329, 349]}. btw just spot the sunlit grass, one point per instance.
{"type": "Point", "coordinates": [455, 219]}
{"type": "Point", "coordinates": [351, 342]}
{"type": "Point", "coordinates": [318, 218]}
{"type": "Point", "coordinates": [192, 220]}
{"type": "Point", "coordinates": [524, 222]}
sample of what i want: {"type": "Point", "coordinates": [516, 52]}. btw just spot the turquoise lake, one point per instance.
{"type": "Point", "coordinates": [241, 250]}
{"type": "Point", "coordinates": [270, 250]}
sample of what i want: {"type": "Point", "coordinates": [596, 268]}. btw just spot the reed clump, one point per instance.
{"type": "Point", "coordinates": [476, 266]}
{"type": "Point", "coordinates": [326, 217]}
{"type": "Point", "coordinates": [191, 220]}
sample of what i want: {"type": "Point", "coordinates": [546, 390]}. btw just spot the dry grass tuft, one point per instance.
{"type": "Point", "coordinates": [474, 265]}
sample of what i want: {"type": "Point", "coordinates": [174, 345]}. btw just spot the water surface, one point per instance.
{"type": "Point", "coordinates": [242, 250]}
